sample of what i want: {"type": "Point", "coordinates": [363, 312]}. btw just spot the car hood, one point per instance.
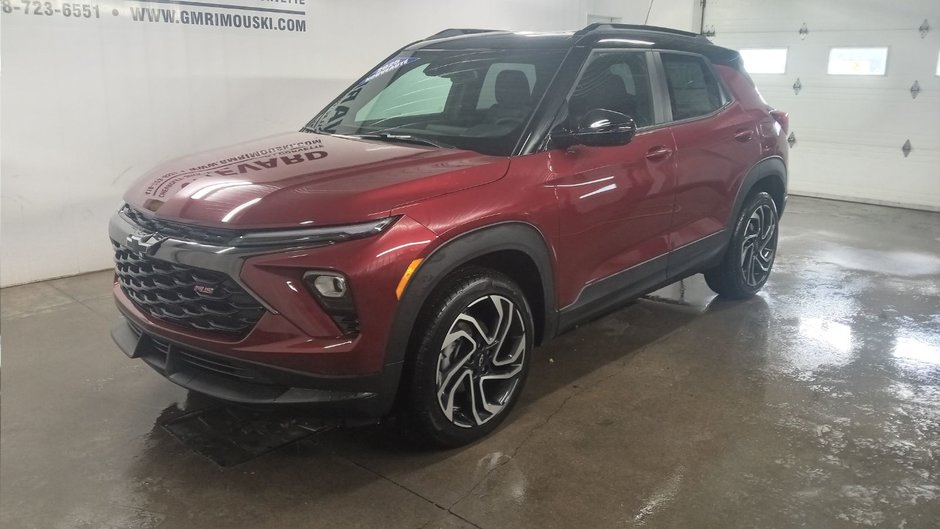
{"type": "Point", "coordinates": [302, 179]}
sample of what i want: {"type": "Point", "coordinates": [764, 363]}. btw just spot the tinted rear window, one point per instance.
{"type": "Point", "coordinates": [693, 88]}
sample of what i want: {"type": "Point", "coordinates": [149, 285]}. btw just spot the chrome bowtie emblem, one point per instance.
{"type": "Point", "coordinates": [145, 243]}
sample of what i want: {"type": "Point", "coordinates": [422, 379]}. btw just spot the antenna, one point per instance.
{"type": "Point", "coordinates": [648, 11]}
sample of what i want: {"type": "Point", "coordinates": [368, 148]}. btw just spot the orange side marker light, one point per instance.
{"type": "Point", "coordinates": [407, 277]}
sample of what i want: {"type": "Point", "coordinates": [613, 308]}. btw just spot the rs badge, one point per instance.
{"type": "Point", "coordinates": [204, 289]}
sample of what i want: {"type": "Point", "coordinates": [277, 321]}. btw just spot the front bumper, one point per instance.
{"type": "Point", "coordinates": [256, 384]}
{"type": "Point", "coordinates": [293, 333]}
{"type": "Point", "coordinates": [294, 354]}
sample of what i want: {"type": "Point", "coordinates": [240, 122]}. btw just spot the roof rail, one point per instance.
{"type": "Point", "coordinates": [599, 25]}
{"type": "Point", "coordinates": [456, 32]}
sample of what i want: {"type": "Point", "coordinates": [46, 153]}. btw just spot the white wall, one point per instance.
{"type": "Point", "coordinates": [680, 14]}
{"type": "Point", "coordinates": [89, 104]}
{"type": "Point", "coordinates": [849, 129]}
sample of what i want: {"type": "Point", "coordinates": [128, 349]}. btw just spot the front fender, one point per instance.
{"type": "Point", "coordinates": [443, 260]}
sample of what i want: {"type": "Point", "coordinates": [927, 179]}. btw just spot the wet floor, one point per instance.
{"type": "Point", "coordinates": [816, 404]}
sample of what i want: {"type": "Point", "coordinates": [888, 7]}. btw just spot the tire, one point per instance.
{"type": "Point", "coordinates": [750, 255]}
{"type": "Point", "coordinates": [465, 376]}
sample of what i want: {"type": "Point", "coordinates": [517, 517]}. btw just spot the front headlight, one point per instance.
{"type": "Point", "coordinates": [312, 236]}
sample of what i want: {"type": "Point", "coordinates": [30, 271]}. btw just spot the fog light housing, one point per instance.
{"type": "Point", "coordinates": [330, 286]}
{"type": "Point", "coordinates": [332, 292]}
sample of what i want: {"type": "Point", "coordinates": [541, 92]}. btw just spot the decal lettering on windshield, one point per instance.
{"type": "Point", "coordinates": [390, 66]}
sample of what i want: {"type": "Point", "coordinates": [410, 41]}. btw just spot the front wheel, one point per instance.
{"type": "Point", "coordinates": [751, 252]}
{"type": "Point", "coordinates": [473, 358]}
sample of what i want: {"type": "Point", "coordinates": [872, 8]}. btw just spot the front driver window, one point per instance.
{"type": "Point", "coordinates": [614, 80]}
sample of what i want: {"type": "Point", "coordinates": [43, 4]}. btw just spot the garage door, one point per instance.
{"type": "Point", "coordinates": [847, 79]}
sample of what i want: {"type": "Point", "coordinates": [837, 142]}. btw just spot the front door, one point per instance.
{"type": "Point", "coordinates": [615, 202]}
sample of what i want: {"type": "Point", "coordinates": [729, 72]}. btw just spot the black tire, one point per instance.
{"type": "Point", "coordinates": [470, 294]}
{"type": "Point", "coordinates": [750, 255]}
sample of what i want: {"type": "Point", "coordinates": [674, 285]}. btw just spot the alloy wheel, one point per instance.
{"type": "Point", "coordinates": [759, 245]}
{"type": "Point", "coordinates": [481, 360]}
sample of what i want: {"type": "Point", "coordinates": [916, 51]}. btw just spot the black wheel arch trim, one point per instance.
{"type": "Point", "coordinates": [510, 235]}
{"type": "Point", "coordinates": [771, 166]}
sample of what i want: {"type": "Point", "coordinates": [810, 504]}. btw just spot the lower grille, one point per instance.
{"type": "Point", "coordinates": [187, 357]}
{"type": "Point", "coordinates": [186, 296]}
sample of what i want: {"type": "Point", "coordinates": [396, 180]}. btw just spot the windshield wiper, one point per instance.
{"type": "Point", "coordinates": [404, 138]}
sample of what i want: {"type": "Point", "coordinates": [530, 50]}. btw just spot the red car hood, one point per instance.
{"type": "Point", "coordinates": [306, 179]}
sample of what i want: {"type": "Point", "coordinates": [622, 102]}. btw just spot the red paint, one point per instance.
{"type": "Point", "coordinates": [300, 179]}
{"type": "Point", "coordinates": [601, 210]}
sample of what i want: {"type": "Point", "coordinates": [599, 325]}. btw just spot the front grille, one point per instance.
{"type": "Point", "coordinates": [187, 296]}
{"type": "Point", "coordinates": [177, 230]}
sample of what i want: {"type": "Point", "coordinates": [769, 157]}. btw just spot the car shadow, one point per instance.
{"type": "Point", "coordinates": [229, 435]}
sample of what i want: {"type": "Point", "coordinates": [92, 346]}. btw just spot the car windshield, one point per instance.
{"type": "Point", "coordinates": [479, 100]}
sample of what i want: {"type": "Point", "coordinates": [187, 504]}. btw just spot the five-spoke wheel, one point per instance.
{"type": "Point", "coordinates": [473, 358]}
{"type": "Point", "coordinates": [480, 361]}
{"type": "Point", "coordinates": [750, 255]}
{"type": "Point", "coordinates": [759, 245]}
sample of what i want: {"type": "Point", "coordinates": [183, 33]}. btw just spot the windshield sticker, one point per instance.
{"type": "Point", "coordinates": [390, 66]}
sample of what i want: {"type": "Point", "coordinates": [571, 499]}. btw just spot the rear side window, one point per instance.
{"type": "Point", "coordinates": [693, 88]}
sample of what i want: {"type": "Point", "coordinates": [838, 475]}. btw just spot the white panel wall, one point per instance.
{"type": "Point", "coordinates": [89, 104]}
{"type": "Point", "coordinates": [849, 129]}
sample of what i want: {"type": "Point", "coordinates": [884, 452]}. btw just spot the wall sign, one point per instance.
{"type": "Point", "coordinates": [262, 15]}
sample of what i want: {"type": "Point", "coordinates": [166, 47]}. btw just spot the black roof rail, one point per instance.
{"type": "Point", "coordinates": [456, 32]}
{"type": "Point", "coordinates": [602, 25]}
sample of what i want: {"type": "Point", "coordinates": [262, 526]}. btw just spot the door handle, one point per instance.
{"type": "Point", "coordinates": [744, 136]}
{"type": "Point", "coordinates": [659, 152]}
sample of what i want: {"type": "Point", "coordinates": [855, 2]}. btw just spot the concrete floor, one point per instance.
{"type": "Point", "coordinates": [814, 405]}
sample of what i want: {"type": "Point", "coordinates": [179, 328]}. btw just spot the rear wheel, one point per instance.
{"type": "Point", "coordinates": [468, 372]}
{"type": "Point", "coordinates": [750, 255]}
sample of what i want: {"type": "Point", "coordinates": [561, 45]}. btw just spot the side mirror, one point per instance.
{"type": "Point", "coordinates": [598, 127]}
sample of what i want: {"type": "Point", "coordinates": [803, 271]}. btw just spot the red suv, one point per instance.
{"type": "Point", "coordinates": [472, 196]}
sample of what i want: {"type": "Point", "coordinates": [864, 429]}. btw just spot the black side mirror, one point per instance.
{"type": "Point", "coordinates": [598, 127]}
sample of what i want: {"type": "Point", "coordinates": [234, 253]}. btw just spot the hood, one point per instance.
{"type": "Point", "coordinates": [303, 179]}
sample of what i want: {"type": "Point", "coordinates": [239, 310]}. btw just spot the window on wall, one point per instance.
{"type": "Point", "coordinates": [858, 61]}
{"type": "Point", "coordinates": [693, 88]}
{"type": "Point", "coordinates": [765, 60]}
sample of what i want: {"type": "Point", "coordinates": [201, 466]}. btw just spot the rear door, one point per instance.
{"type": "Point", "coordinates": [716, 143]}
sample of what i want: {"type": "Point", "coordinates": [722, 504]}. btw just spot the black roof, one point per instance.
{"type": "Point", "coordinates": [593, 36]}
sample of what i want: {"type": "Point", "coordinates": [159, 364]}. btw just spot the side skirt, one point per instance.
{"type": "Point", "coordinates": [604, 296]}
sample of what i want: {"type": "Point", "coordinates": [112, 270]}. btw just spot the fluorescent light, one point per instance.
{"type": "Point", "coordinates": [237, 209]}
{"type": "Point", "coordinates": [627, 41]}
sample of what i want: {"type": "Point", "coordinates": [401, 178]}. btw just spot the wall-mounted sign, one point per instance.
{"type": "Point", "coordinates": [264, 15]}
